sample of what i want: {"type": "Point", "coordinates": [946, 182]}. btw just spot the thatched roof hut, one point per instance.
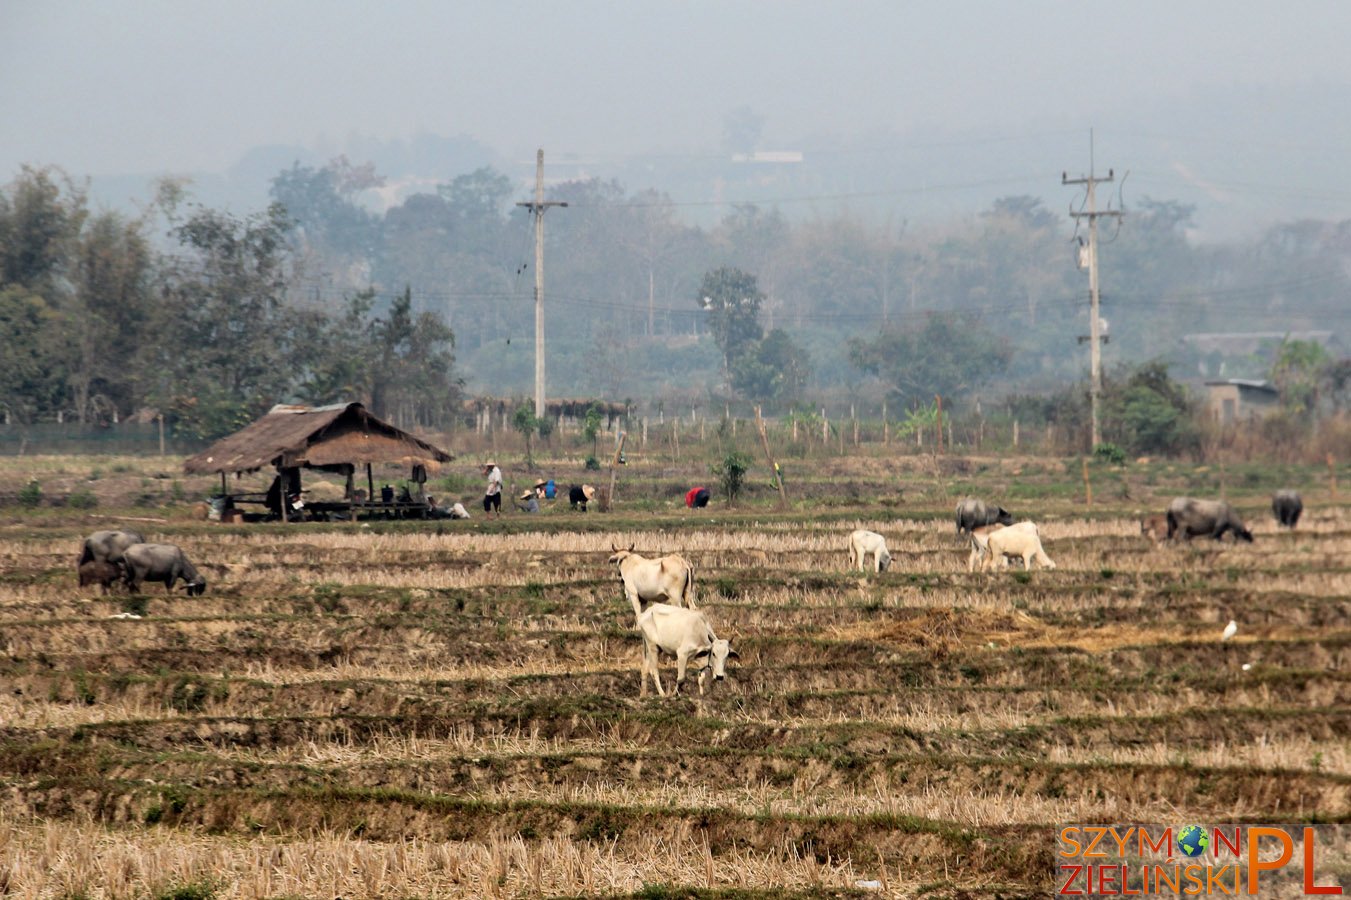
{"type": "Point", "coordinates": [323, 437]}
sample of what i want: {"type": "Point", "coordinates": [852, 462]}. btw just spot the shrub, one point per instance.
{"type": "Point", "coordinates": [30, 495]}
{"type": "Point", "coordinates": [82, 499]}
{"type": "Point", "coordinates": [1110, 453]}
{"type": "Point", "coordinates": [731, 473]}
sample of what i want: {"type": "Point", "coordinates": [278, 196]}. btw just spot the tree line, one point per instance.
{"type": "Point", "coordinates": [97, 322]}
{"type": "Point", "coordinates": [210, 317]}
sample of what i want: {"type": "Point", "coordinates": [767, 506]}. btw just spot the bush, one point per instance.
{"type": "Point", "coordinates": [30, 495]}
{"type": "Point", "coordinates": [82, 499]}
{"type": "Point", "coordinates": [1110, 453]}
{"type": "Point", "coordinates": [731, 473]}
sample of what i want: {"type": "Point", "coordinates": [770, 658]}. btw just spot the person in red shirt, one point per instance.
{"type": "Point", "coordinates": [697, 498]}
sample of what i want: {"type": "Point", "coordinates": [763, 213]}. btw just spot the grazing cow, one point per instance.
{"type": "Point", "coordinates": [980, 536]}
{"type": "Point", "coordinates": [668, 578]}
{"type": "Point", "coordinates": [972, 513]}
{"type": "Point", "coordinates": [687, 635]}
{"type": "Point", "coordinates": [160, 562]}
{"type": "Point", "coordinates": [103, 546]}
{"type": "Point", "coordinates": [1015, 541]}
{"type": "Point", "coordinates": [863, 543]}
{"type": "Point", "coordinates": [1287, 506]}
{"type": "Point", "coordinates": [1212, 517]}
{"type": "Point", "coordinates": [1154, 527]}
{"type": "Point", "coordinates": [98, 572]}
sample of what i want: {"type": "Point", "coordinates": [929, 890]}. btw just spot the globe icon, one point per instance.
{"type": "Point", "coordinates": [1193, 840]}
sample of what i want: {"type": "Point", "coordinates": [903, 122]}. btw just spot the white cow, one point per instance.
{"type": "Point", "coordinates": [687, 635]}
{"type": "Point", "coordinates": [669, 578]}
{"type": "Point", "coordinates": [863, 543]}
{"type": "Point", "coordinates": [980, 536]}
{"type": "Point", "coordinates": [1014, 541]}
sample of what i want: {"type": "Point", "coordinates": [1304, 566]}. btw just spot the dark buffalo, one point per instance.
{"type": "Point", "coordinates": [972, 513]}
{"type": "Point", "coordinates": [1287, 506]}
{"type": "Point", "coordinates": [1193, 517]}
{"type": "Point", "coordinates": [103, 546]}
{"type": "Point", "coordinates": [160, 562]}
{"type": "Point", "coordinates": [96, 571]}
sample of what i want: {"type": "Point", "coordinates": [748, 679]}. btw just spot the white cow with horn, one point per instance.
{"type": "Point", "coordinates": [669, 578]}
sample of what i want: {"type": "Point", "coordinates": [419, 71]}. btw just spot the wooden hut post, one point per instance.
{"type": "Point", "coordinates": [284, 483]}
{"type": "Point", "coordinates": [370, 484]}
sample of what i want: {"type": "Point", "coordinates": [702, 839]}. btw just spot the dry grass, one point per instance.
{"type": "Point", "coordinates": [65, 859]}
{"type": "Point", "coordinates": [873, 698]}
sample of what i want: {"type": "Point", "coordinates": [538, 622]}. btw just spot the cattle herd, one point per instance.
{"type": "Point", "coordinates": [124, 557]}
{"type": "Point", "coordinates": [661, 591]}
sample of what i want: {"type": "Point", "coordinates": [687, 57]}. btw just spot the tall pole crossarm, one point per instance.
{"type": "Point", "coordinates": [537, 208]}
{"type": "Point", "coordinates": [1092, 214]}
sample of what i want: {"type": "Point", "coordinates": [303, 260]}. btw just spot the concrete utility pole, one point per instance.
{"type": "Point", "coordinates": [1095, 338]}
{"type": "Point", "coordinates": [538, 208]}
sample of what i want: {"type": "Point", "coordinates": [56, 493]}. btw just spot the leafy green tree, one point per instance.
{"type": "Point", "coordinates": [32, 362]}
{"type": "Point", "coordinates": [731, 473]}
{"type": "Point", "coordinates": [413, 381]}
{"type": "Point", "coordinates": [108, 310]}
{"type": "Point", "coordinates": [333, 352]}
{"type": "Point", "coordinates": [950, 356]}
{"type": "Point", "coordinates": [527, 423]}
{"type": "Point", "coordinates": [1146, 411]}
{"type": "Point", "coordinates": [320, 207]}
{"type": "Point", "coordinates": [591, 425]}
{"type": "Point", "coordinates": [222, 336]}
{"type": "Point", "coordinates": [41, 213]}
{"type": "Point", "coordinates": [774, 372]}
{"type": "Point", "coordinates": [1298, 372]}
{"type": "Point", "coordinates": [731, 300]}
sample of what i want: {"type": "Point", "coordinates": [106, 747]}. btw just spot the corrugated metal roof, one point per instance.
{"type": "Point", "coordinates": [316, 436]}
{"type": "Point", "coordinates": [1255, 383]}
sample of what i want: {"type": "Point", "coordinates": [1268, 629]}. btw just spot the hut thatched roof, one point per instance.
{"type": "Point", "coordinates": [315, 436]}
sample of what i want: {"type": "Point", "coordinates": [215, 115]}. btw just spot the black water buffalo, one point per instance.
{"type": "Point", "coordinates": [1191, 517]}
{"type": "Point", "coordinates": [102, 546]}
{"type": "Point", "coordinates": [160, 562]}
{"type": "Point", "coordinates": [972, 513]}
{"type": "Point", "coordinates": [1287, 506]}
{"type": "Point", "coordinates": [96, 571]}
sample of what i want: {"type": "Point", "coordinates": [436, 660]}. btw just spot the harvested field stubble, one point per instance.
{"type": "Point", "coordinates": [358, 713]}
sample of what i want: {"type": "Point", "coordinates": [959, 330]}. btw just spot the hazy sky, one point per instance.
{"type": "Point", "coordinates": [143, 86]}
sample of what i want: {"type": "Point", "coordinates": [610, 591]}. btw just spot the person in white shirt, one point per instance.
{"type": "Point", "coordinates": [492, 496]}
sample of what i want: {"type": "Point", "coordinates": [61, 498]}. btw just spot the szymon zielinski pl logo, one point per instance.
{"type": "Point", "coordinates": [1201, 860]}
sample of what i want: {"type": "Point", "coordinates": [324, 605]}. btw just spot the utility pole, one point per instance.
{"type": "Point", "coordinates": [1088, 257]}
{"type": "Point", "coordinates": [538, 208]}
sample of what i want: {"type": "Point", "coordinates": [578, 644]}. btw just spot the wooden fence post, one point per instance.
{"type": "Point", "coordinates": [938, 431]}
{"type": "Point", "coordinates": [1088, 486]}
{"type": "Point", "coordinates": [774, 466]}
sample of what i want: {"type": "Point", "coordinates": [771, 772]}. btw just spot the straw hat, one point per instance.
{"type": "Point", "coordinates": [588, 491]}
{"type": "Point", "coordinates": [526, 495]}
{"type": "Point", "coordinates": [541, 483]}
{"type": "Point", "coordinates": [489, 464]}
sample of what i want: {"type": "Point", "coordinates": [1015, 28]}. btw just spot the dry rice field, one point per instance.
{"type": "Point", "coordinates": [415, 710]}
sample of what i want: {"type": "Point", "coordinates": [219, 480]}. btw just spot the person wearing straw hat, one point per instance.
{"type": "Point", "coordinates": [528, 502]}
{"type": "Point", "coordinates": [579, 496]}
{"type": "Point", "coordinates": [492, 495]}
